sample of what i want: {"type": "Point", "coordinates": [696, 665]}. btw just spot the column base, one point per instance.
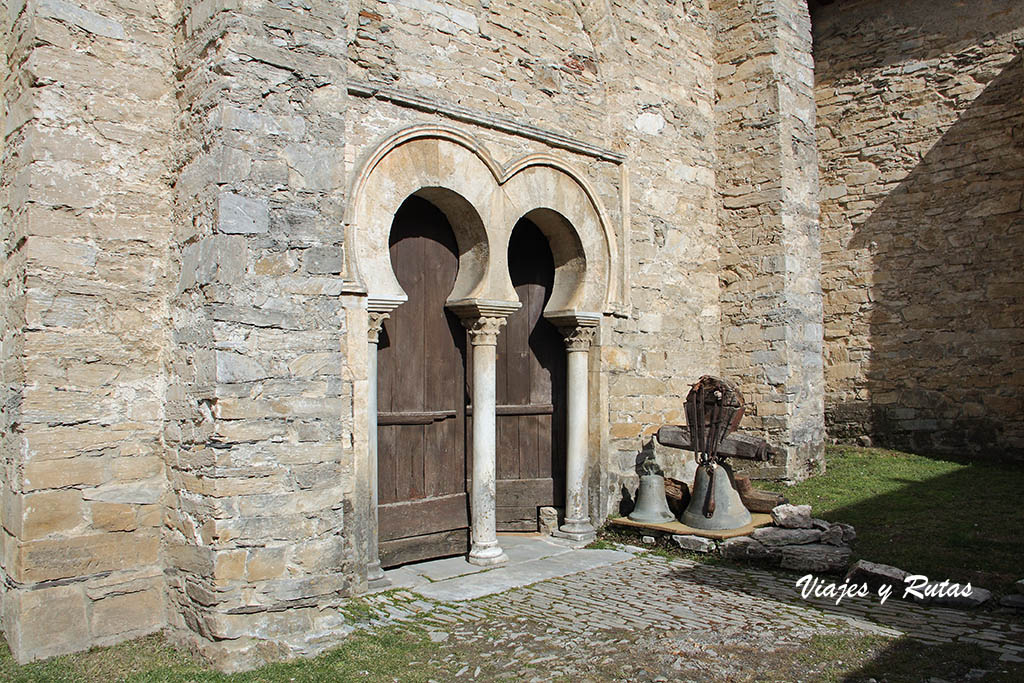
{"type": "Point", "coordinates": [487, 555]}
{"type": "Point", "coordinates": [577, 530]}
{"type": "Point", "coordinates": [375, 577]}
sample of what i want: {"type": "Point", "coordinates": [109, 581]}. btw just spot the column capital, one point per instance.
{"type": "Point", "coordinates": [578, 337]}
{"type": "Point", "coordinates": [483, 331]}
{"type": "Point", "coordinates": [376, 322]}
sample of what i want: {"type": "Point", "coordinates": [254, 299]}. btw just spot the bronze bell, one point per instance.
{"type": "Point", "coordinates": [715, 504]}
{"type": "Point", "coordinates": [651, 502]}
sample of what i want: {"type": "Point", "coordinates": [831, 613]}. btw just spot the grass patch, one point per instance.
{"type": "Point", "coordinates": [945, 519]}
{"type": "Point", "coordinates": [388, 654]}
{"type": "Point", "coordinates": [116, 663]}
{"type": "Point", "coordinates": [843, 657]}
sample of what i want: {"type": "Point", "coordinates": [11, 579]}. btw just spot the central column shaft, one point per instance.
{"type": "Point", "coordinates": [577, 520]}
{"type": "Point", "coordinates": [483, 335]}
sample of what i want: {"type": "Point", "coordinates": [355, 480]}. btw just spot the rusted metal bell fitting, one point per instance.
{"type": "Point", "coordinates": [726, 509]}
{"type": "Point", "coordinates": [651, 502]}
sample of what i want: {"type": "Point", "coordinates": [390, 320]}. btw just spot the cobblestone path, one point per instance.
{"type": "Point", "coordinates": [650, 618]}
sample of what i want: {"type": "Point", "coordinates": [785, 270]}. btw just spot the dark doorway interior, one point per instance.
{"type": "Point", "coordinates": [531, 387]}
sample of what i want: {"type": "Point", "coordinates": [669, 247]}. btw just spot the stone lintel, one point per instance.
{"type": "Point", "coordinates": [468, 309]}
{"type": "Point", "coordinates": [573, 318]}
{"type": "Point", "coordinates": [384, 304]}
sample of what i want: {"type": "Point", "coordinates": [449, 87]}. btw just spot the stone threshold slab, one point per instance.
{"type": "Point", "coordinates": [757, 519]}
{"type": "Point", "coordinates": [501, 579]}
{"type": "Point", "coordinates": [520, 547]}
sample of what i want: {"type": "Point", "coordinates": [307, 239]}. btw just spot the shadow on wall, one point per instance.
{"type": "Point", "coordinates": [946, 310]}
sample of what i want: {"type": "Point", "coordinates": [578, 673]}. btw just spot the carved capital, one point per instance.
{"type": "Point", "coordinates": [483, 331]}
{"type": "Point", "coordinates": [579, 337]}
{"type": "Point", "coordinates": [376, 321]}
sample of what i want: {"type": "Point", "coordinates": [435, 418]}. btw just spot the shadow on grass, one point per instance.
{"type": "Point", "coordinates": [964, 526]}
{"type": "Point", "coordinates": [960, 521]}
{"type": "Point", "coordinates": [388, 654]}
{"type": "Point", "coordinates": [905, 660]}
{"type": "Point", "coordinates": [948, 520]}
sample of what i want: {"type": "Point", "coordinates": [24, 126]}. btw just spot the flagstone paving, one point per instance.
{"type": "Point", "coordinates": [644, 617]}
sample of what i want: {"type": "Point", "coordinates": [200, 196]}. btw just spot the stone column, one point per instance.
{"type": "Point", "coordinates": [483, 336]}
{"type": "Point", "coordinates": [374, 574]}
{"type": "Point", "coordinates": [577, 520]}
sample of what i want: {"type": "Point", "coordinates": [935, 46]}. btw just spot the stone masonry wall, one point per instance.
{"type": "Point", "coordinates": [921, 131]}
{"type": "Point", "coordinates": [259, 430]}
{"type": "Point", "coordinates": [86, 176]}
{"type": "Point", "coordinates": [183, 424]}
{"type": "Point", "coordinates": [770, 259]}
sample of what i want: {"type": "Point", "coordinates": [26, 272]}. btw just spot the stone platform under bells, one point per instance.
{"type": "Point", "coordinates": [757, 519]}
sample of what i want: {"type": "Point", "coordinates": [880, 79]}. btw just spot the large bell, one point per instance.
{"type": "Point", "coordinates": [651, 502]}
{"type": "Point", "coordinates": [723, 509]}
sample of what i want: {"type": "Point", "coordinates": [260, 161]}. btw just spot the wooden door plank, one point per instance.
{"type": "Point", "coordinates": [429, 546]}
{"type": "Point", "coordinates": [407, 439]}
{"type": "Point", "coordinates": [524, 492]}
{"type": "Point", "coordinates": [507, 446]}
{"type": "Point", "coordinates": [529, 445]}
{"type": "Point", "coordinates": [423, 513]}
{"type": "Point", "coordinates": [545, 447]}
{"type": "Point", "coordinates": [538, 389]}
{"type": "Point", "coordinates": [426, 516]}
{"type": "Point", "coordinates": [517, 518]}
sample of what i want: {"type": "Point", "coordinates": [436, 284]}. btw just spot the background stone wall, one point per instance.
{"type": "Point", "coordinates": [86, 176]}
{"type": "Point", "coordinates": [921, 132]}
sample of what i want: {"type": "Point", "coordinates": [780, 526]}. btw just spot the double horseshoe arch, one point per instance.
{"type": "Point", "coordinates": [483, 201]}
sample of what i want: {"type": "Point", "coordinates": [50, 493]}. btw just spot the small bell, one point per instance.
{"type": "Point", "coordinates": [651, 502]}
{"type": "Point", "coordinates": [714, 504]}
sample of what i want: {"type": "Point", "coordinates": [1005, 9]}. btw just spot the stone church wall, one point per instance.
{"type": "Point", "coordinates": [185, 351]}
{"type": "Point", "coordinates": [86, 176]}
{"type": "Point", "coordinates": [921, 134]}
{"type": "Point", "coordinates": [259, 402]}
{"type": "Point", "coordinates": [638, 81]}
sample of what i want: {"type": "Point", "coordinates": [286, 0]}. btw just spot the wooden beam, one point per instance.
{"type": "Point", "coordinates": [735, 445]}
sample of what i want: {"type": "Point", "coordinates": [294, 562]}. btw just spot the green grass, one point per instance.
{"type": "Point", "coordinates": [388, 654]}
{"type": "Point", "coordinates": [844, 657]}
{"type": "Point", "coordinates": [957, 520]}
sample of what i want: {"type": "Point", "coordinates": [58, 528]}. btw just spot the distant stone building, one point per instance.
{"type": "Point", "coordinates": [295, 290]}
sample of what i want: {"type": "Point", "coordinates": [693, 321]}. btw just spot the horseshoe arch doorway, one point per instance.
{"type": "Point", "coordinates": [530, 390]}
{"type": "Point", "coordinates": [423, 506]}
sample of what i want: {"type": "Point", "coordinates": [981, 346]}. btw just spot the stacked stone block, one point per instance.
{"type": "Point", "coordinates": [87, 174]}
{"type": "Point", "coordinates": [770, 252]}
{"type": "Point", "coordinates": [920, 117]}
{"type": "Point", "coordinates": [259, 430]}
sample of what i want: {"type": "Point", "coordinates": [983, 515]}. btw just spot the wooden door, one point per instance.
{"type": "Point", "coordinates": [530, 388]}
{"type": "Point", "coordinates": [421, 456]}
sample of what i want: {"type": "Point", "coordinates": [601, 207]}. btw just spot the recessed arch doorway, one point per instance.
{"type": "Point", "coordinates": [482, 200]}
{"type": "Point", "coordinates": [423, 505]}
{"type": "Point", "coordinates": [530, 390]}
